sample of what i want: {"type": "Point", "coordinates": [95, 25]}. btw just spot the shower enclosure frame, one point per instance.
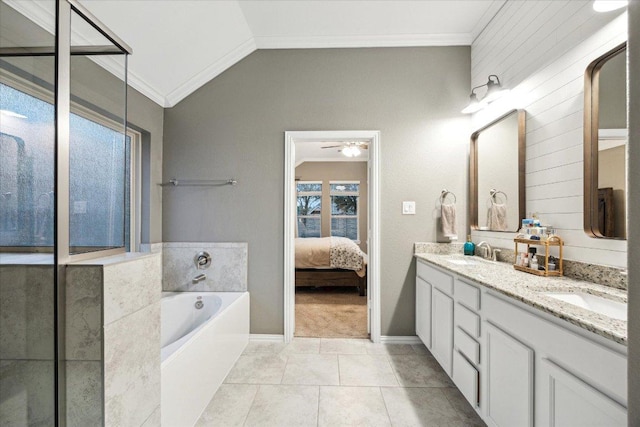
{"type": "Point", "coordinates": [62, 110]}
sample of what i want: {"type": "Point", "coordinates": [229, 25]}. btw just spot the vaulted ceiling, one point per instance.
{"type": "Point", "coordinates": [179, 45]}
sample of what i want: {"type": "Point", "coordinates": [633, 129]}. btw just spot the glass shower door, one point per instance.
{"type": "Point", "coordinates": [27, 185]}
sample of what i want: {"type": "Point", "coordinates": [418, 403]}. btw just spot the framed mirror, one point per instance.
{"type": "Point", "coordinates": [605, 145]}
{"type": "Point", "coordinates": [497, 156]}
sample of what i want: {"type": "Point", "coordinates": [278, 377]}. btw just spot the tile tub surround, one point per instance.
{"type": "Point", "coordinates": [227, 273]}
{"type": "Point", "coordinates": [529, 289]}
{"type": "Point", "coordinates": [397, 384]}
{"type": "Point", "coordinates": [602, 274]}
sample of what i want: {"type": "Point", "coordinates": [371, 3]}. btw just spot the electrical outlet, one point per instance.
{"type": "Point", "coordinates": [408, 208]}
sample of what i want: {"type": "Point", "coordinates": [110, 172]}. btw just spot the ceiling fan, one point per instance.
{"type": "Point", "coordinates": [350, 148]}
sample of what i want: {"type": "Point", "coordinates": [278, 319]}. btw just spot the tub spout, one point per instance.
{"type": "Point", "coordinates": [198, 278]}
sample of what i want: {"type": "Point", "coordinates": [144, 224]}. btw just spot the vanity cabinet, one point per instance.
{"type": "Point", "coordinates": [423, 311]}
{"type": "Point", "coordinates": [466, 341]}
{"type": "Point", "coordinates": [509, 380]}
{"type": "Point", "coordinates": [566, 400]}
{"type": "Point", "coordinates": [575, 375]}
{"type": "Point", "coordinates": [442, 331]}
{"type": "Point", "coordinates": [517, 365]}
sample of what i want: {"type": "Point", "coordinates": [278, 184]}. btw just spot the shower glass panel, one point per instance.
{"type": "Point", "coordinates": [99, 150]}
{"type": "Point", "coordinates": [27, 185]}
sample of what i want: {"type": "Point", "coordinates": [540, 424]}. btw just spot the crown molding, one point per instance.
{"type": "Point", "coordinates": [357, 41]}
{"type": "Point", "coordinates": [146, 89]}
{"type": "Point", "coordinates": [212, 71]}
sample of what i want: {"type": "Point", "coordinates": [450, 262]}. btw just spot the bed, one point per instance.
{"type": "Point", "coordinates": [330, 261]}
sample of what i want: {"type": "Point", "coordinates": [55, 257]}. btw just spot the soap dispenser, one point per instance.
{"type": "Point", "coordinates": [469, 247]}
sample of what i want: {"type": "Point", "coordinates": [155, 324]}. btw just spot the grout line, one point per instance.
{"type": "Point", "coordinates": [318, 411]}
{"type": "Point", "coordinates": [244, 421]}
{"type": "Point", "coordinates": [384, 402]}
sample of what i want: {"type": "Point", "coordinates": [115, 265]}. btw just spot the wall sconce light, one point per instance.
{"type": "Point", "coordinates": [494, 91]}
{"type": "Point", "coordinates": [609, 5]}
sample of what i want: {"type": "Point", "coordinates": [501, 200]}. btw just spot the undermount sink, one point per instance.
{"type": "Point", "coordinates": [463, 262]}
{"type": "Point", "coordinates": [607, 307]}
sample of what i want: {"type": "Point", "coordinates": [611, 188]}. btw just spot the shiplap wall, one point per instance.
{"type": "Point", "coordinates": [540, 50]}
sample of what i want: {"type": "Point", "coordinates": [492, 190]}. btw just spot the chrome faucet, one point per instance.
{"type": "Point", "coordinates": [199, 278]}
{"type": "Point", "coordinates": [488, 251]}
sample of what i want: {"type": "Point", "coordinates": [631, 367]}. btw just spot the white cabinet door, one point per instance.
{"type": "Point", "coordinates": [509, 380]}
{"type": "Point", "coordinates": [466, 378]}
{"type": "Point", "coordinates": [565, 400]}
{"type": "Point", "coordinates": [423, 311]}
{"type": "Point", "coordinates": [442, 329]}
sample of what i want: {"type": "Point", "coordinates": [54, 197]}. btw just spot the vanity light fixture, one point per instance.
{"type": "Point", "coordinates": [494, 91]}
{"type": "Point", "coordinates": [609, 5]}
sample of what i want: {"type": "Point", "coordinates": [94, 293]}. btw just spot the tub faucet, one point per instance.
{"type": "Point", "coordinates": [488, 251]}
{"type": "Point", "coordinates": [199, 278]}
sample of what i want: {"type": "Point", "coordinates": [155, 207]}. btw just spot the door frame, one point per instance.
{"type": "Point", "coordinates": [373, 244]}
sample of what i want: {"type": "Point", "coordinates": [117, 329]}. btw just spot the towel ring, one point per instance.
{"type": "Point", "coordinates": [444, 195]}
{"type": "Point", "coordinates": [493, 193]}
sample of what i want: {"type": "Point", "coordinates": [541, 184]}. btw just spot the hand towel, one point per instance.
{"type": "Point", "coordinates": [497, 217]}
{"type": "Point", "coordinates": [448, 214]}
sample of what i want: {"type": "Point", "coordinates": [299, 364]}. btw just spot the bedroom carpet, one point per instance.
{"type": "Point", "coordinates": [327, 312]}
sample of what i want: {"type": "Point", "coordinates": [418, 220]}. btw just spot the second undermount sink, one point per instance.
{"type": "Point", "coordinates": [607, 307]}
{"type": "Point", "coordinates": [463, 262]}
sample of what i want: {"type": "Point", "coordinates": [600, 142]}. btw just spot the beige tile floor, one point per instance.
{"type": "Point", "coordinates": [337, 382]}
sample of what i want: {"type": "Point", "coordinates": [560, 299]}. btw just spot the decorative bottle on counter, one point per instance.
{"type": "Point", "coordinates": [469, 247]}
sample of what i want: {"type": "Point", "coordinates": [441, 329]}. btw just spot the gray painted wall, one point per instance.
{"type": "Point", "coordinates": [633, 330]}
{"type": "Point", "coordinates": [234, 127]}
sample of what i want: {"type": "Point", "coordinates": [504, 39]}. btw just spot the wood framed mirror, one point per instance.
{"type": "Point", "coordinates": [497, 175]}
{"type": "Point", "coordinates": [605, 145]}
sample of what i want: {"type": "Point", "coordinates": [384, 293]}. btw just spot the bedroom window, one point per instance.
{"type": "Point", "coordinates": [309, 208]}
{"type": "Point", "coordinates": [344, 209]}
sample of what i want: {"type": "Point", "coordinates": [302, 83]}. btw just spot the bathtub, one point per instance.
{"type": "Point", "coordinates": [198, 349]}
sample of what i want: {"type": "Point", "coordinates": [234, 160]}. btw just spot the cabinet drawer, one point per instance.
{"type": "Point", "coordinates": [467, 346]}
{"type": "Point", "coordinates": [468, 295]}
{"type": "Point", "coordinates": [437, 278]}
{"type": "Point", "coordinates": [466, 378]}
{"type": "Point", "coordinates": [467, 320]}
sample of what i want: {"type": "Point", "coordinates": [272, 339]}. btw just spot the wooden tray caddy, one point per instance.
{"type": "Point", "coordinates": [552, 241]}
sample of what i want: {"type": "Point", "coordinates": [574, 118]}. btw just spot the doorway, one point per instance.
{"type": "Point", "coordinates": [363, 232]}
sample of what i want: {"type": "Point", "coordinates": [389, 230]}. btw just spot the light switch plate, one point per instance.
{"type": "Point", "coordinates": [408, 208]}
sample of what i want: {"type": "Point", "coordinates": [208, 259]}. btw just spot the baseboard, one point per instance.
{"type": "Point", "coordinates": [387, 339]}
{"type": "Point", "coordinates": [266, 338]}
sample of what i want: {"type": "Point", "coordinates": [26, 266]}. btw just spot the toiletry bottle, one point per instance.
{"type": "Point", "coordinates": [469, 247]}
{"type": "Point", "coordinates": [533, 259]}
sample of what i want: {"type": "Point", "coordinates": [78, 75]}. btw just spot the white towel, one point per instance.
{"type": "Point", "coordinates": [448, 214]}
{"type": "Point", "coordinates": [497, 217]}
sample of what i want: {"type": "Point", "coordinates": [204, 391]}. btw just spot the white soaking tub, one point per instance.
{"type": "Point", "coordinates": [199, 348]}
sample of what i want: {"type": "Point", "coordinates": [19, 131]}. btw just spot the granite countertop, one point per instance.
{"type": "Point", "coordinates": [530, 289]}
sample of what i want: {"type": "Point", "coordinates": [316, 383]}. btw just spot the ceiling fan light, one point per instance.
{"type": "Point", "coordinates": [351, 151]}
